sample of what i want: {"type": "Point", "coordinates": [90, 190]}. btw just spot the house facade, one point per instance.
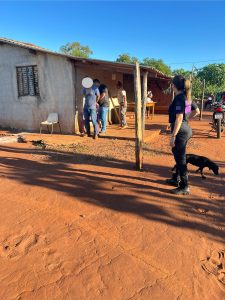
{"type": "Point", "coordinates": [35, 82]}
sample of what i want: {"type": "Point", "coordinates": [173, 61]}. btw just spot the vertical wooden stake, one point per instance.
{"type": "Point", "coordinates": [202, 102]}
{"type": "Point", "coordinates": [138, 117]}
{"type": "Point", "coordinates": [144, 100]}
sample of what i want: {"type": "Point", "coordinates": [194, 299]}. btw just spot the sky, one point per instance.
{"type": "Point", "coordinates": [182, 33]}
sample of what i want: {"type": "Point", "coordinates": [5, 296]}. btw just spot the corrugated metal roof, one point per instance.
{"type": "Point", "coordinates": [116, 64]}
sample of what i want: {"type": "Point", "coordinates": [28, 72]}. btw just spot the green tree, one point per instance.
{"type": "Point", "coordinates": [76, 49]}
{"type": "Point", "coordinates": [126, 58]}
{"type": "Point", "coordinates": [183, 72]}
{"type": "Point", "coordinates": [157, 64]}
{"type": "Point", "coordinates": [214, 75]}
{"type": "Point", "coordinates": [197, 86]}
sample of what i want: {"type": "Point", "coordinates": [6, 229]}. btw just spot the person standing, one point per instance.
{"type": "Point", "coordinates": [122, 99]}
{"type": "Point", "coordinates": [181, 109]}
{"type": "Point", "coordinates": [148, 100]}
{"type": "Point", "coordinates": [208, 102]}
{"type": "Point", "coordinates": [103, 107]}
{"type": "Point", "coordinates": [90, 108]}
{"type": "Point", "coordinates": [96, 83]}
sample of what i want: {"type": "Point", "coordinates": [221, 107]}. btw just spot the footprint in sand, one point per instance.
{"type": "Point", "coordinates": [215, 266]}
{"type": "Point", "coordinates": [17, 245]}
{"type": "Point", "coordinates": [52, 259]}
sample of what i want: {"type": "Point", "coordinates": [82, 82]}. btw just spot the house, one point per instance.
{"type": "Point", "coordinates": [35, 81]}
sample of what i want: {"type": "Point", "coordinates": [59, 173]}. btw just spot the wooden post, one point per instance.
{"type": "Point", "coordinates": [144, 100]}
{"type": "Point", "coordinates": [202, 102]}
{"type": "Point", "coordinates": [138, 117]}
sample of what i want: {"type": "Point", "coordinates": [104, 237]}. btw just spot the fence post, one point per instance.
{"type": "Point", "coordinates": [138, 117]}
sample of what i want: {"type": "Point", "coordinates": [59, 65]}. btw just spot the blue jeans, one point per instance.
{"type": "Point", "coordinates": [102, 116]}
{"type": "Point", "coordinates": [90, 112]}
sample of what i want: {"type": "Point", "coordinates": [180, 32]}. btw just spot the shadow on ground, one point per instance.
{"type": "Point", "coordinates": [114, 184]}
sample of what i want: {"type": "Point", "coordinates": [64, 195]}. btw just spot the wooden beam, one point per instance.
{"type": "Point", "coordinates": [144, 100]}
{"type": "Point", "coordinates": [138, 117]}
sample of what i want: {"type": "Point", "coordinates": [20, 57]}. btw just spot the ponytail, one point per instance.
{"type": "Point", "coordinates": [187, 89]}
{"type": "Point", "coordinates": [183, 85]}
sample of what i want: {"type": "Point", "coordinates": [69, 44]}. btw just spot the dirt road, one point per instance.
{"type": "Point", "coordinates": [78, 222]}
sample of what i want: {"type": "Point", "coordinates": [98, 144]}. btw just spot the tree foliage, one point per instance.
{"type": "Point", "coordinates": [76, 49]}
{"type": "Point", "coordinates": [158, 64]}
{"type": "Point", "coordinates": [182, 72]}
{"type": "Point", "coordinates": [126, 58]}
{"type": "Point", "coordinates": [197, 88]}
{"type": "Point", "coordinates": [214, 75]}
{"type": "Point", "coordinates": [150, 62]}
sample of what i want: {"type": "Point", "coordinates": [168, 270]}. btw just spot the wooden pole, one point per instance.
{"type": "Point", "coordinates": [138, 117]}
{"type": "Point", "coordinates": [144, 100]}
{"type": "Point", "coordinates": [202, 102]}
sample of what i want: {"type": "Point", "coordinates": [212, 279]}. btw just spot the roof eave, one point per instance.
{"type": "Point", "coordinates": [75, 58]}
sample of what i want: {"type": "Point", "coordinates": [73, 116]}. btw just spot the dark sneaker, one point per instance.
{"type": "Point", "coordinates": [181, 191]}
{"type": "Point", "coordinates": [95, 137]}
{"type": "Point", "coordinates": [172, 182]}
{"type": "Point", "coordinates": [89, 135]}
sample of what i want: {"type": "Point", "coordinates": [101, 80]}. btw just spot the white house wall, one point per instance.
{"type": "Point", "coordinates": [57, 91]}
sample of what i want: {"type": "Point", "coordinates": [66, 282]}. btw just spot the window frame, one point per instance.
{"type": "Point", "coordinates": [34, 82]}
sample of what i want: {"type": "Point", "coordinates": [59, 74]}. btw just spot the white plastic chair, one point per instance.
{"type": "Point", "coordinates": [52, 119]}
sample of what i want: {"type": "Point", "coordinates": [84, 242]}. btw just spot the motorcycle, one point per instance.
{"type": "Point", "coordinates": [218, 118]}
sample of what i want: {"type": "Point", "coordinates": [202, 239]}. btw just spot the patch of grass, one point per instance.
{"type": "Point", "coordinates": [72, 148]}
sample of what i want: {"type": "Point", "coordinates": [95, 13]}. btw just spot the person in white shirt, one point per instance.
{"type": "Point", "coordinates": [122, 99]}
{"type": "Point", "coordinates": [148, 100]}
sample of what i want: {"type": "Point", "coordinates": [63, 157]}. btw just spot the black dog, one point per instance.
{"type": "Point", "coordinates": [201, 162]}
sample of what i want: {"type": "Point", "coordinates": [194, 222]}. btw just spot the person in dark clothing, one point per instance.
{"type": "Point", "coordinates": [103, 107]}
{"type": "Point", "coordinates": [181, 109]}
{"type": "Point", "coordinates": [91, 98]}
{"type": "Point", "coordinates": [208, 102]}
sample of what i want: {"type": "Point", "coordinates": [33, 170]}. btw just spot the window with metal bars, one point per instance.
{"type": "Point", "coordinates": [27, 81]}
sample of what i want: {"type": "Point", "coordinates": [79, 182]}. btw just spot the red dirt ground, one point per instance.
{"type": "Point", "coordinates": [78, 222]}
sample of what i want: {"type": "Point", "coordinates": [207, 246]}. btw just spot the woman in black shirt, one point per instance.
{"type": "Point", "coordinates": [181, 109]}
